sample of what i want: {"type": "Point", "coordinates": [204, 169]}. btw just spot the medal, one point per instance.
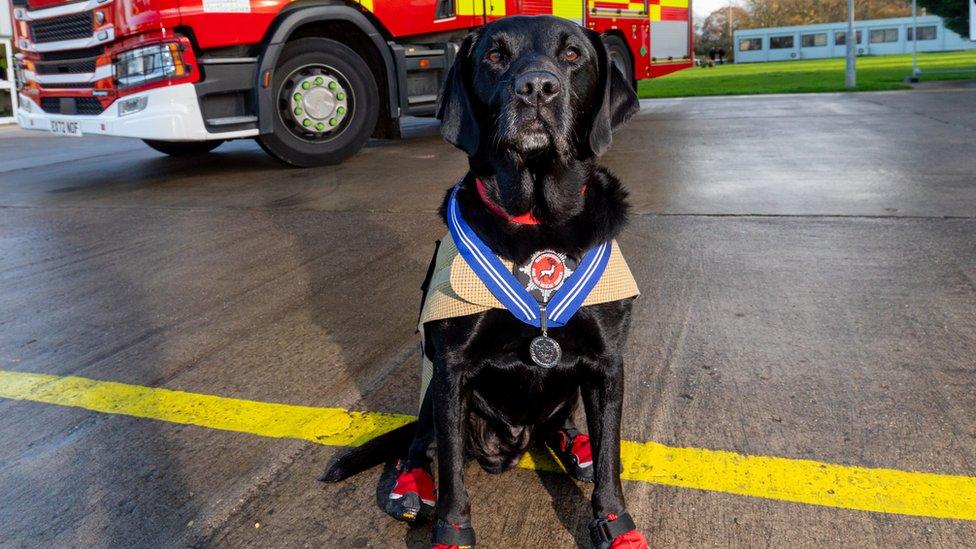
{"type": "Point", "coordinates": [544, 350]}
{"type": "Point", "coordinates": [544, 273]}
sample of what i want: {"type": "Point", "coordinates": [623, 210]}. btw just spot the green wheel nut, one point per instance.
{"type": "Point", "coordinates": [306, 85]}
{"type": "Point", "coordinates": [340, 96]}
{"type": "Point", "coordinates": [333, 121]}
{"type": "Point", "coordinates": [320, 126]}
{"type": "Point", "coordinates": [298, 97]}
{"type": "Point", "coordinates": [332, 85]}
{"type": "Point", "coordinates": [318, 80]}
{"type": "Point", "coordinates": [341, 110]}
{"type": "Point", "coordinates": [307, 123]}
{"type": "Point", "coordinates": [298, 111]}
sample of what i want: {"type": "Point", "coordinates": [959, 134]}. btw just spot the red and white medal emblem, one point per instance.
{"type": "Point", "coordinates": [545, 272]}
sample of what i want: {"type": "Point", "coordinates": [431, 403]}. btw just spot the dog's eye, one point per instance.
{"type": "Point", "coordinates": [571, 54]}
{"type": "Point", "coordinates": [495, 56]}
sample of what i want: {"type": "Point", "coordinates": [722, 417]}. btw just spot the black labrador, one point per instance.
{"type": "Point", "coordinates": [532, 101]}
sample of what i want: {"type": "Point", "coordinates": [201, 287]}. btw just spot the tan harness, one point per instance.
{"type": "Point", "coordinates": [455, 290]}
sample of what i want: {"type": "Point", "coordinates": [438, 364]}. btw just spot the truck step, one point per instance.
{"type": "Point", "coordinates": [232, 120]}
{"type": "Point", "coordinates": [422, 68]}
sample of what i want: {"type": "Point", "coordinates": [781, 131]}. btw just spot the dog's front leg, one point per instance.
{"type": "Point", "coordinates": [453, 525]}
{"type": "Point", "coordinates": [603, 397]}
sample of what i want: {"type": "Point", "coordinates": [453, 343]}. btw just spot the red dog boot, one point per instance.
{"type": "Point", "coordinates": [573, 450]}
{"type": "Point", "coordinates": [412, 497]}
{"type": "Point", "coordinates": [451, 536]}
{"type": "Point", "coordinates": [616, 532]}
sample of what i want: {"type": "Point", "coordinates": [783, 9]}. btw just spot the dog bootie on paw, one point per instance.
{"type": "Point", "coordinates": [451, 536]}
{"type": "Point", "coordinates": [412, 497]}
{"type": "Point", "coordinates": [616, 532]}
{"type": "Point", "coordinates": [573, 450]}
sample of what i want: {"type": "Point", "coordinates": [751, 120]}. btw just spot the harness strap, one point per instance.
{"type": "Point", "coordinates": [604, 530]}
{"type": "Point", "coordinates": [445, 533]}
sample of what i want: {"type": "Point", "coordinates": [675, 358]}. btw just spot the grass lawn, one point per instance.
{"type": "Point", "coordinates": [816, 75]}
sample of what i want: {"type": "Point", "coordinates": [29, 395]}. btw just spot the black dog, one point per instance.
{"type": "Point", "coordinates": [532, 101]}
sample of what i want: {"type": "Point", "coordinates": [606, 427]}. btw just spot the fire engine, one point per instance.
{"type": "Point", "coordinates": [310, 80]}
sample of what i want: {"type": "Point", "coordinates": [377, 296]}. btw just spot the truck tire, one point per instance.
{"type": "Point", "coordinates": [620, 55]}
{"type": "Point", "coordinates": [326, 104]}
{"type": "Point", "coordinates": [183, 148]}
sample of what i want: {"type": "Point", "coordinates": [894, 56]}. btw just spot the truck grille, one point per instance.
{"type": "Point", "coordinates": [69, 27]}
{"type": "Point", "coordinates": [66, 67]}
{"type": "Point", "coordinates": [69, 61]}
{"type": "Point", "coordinates": [71, 105]}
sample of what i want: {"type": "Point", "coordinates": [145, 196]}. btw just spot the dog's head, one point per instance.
{"type": "Point", "coordinates": [531, 85]}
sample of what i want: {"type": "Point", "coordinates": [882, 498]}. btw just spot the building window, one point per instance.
{"type": "Point", "coordinates": [881, 36]}
{"type": "Point", "coordinates": [924, 33]}
{"type": "Point", "coordinates": [780, 42]}
{"type": "Point", "coordinates": [813, 40]}
{"type": "Point", "coordinates": [749, 44]}
{"type": "Point", "coordinates": [840, 38]}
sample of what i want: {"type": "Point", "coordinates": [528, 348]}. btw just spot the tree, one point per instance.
{"type": "Point", "coordinates": [780, 13]}
{"type": "Point", "coordinates": [953, 12]}
{"type": "Point", "coordinates": [714, 30]}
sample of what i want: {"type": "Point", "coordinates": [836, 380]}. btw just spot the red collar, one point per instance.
{"type": "Point", "coordinates": [524, 219]}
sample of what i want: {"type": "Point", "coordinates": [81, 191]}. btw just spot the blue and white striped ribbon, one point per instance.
{"type": "Point", "coordinates": [506, 288]}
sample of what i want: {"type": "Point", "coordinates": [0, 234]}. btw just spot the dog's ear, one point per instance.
{"type": "Point", "coordinates": [615, 98]}
{"type": "Point", "coordinates": [459, 125]}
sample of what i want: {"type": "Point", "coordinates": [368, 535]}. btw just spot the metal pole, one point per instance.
{"type": "Point", "coordinates": [915, 70]}
{"type": "Point", "coordinates": [731, 41]}
{"type": "Point", "coordinates": [850, 76]}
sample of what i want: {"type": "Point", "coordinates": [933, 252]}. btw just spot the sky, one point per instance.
{"type": "Point", "coordinates": [702, 8]}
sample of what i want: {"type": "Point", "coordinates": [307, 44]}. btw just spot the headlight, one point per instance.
{"type": "Point", "coordinates": [149, 64]}
{"type": "Point", "coordinates": [132, 105]}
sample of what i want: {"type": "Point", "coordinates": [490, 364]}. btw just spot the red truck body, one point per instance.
{"type": "Point", "coordinates": [179, 72]}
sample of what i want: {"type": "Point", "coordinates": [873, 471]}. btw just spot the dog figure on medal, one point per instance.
{"type": "Point", "coordinates": [542, 275]}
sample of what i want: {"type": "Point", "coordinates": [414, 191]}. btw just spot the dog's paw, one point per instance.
{"type": "Point", "coordinates": [616, 532]}
{"type": "Point", "coordinates": [629, 540]}
{"type": "Point", "coordinates": [572, 448]}
{"type": "Point", "coordinates": [412, 497]}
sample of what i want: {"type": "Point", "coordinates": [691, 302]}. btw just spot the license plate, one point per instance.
{"type": "Point", "coordinates": [66, 127]}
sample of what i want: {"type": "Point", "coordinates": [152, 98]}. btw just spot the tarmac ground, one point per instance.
{"type": "Point", "coordinates": [800, 370]}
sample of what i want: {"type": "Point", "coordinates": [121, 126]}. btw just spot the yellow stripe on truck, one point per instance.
{"type": "Point", "coordinates": [570, 9]}
{"type": "Point", "coordinates": [794, 480]}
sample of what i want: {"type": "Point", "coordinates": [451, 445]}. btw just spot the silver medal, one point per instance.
{"type": "Point", "coordinates": [544, 350]}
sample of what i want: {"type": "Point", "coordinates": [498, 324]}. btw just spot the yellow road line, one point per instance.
{"type": "Point", "coordinates": [794, 480]}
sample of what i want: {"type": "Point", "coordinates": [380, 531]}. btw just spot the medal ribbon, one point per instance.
{"type": "Point", "coordinates": [506, 288]}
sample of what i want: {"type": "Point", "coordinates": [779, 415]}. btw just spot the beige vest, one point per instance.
{"type": "Point", "coordinates": [455, 290]}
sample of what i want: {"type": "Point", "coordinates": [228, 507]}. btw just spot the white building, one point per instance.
{"type": "Point", "coordinates": [7, 92]}
{"type": "Point", "coordinates": [874, 37]}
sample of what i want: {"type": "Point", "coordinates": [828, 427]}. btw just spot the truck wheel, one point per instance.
{"type": "Point", "coordinates": [326, 104]}
{"type": "Point", "coordinates": [620, 56]}
{"type": "Point", "coordinates": [183, 148]}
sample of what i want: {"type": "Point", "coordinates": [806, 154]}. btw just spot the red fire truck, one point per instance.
{"type": "Point", "coordinates": [310, 80]}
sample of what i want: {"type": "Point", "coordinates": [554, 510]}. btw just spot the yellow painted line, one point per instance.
{"type": "Point", "coordinates": [329, 426]}
{"type": "Point", "coordinates": [794, 480]}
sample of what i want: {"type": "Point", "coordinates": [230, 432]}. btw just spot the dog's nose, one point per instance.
{"type": "Point", "coordinates": [537, 87]}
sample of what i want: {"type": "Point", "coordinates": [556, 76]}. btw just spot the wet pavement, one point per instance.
{"type": "Point", "coordinates": [808, 269]}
